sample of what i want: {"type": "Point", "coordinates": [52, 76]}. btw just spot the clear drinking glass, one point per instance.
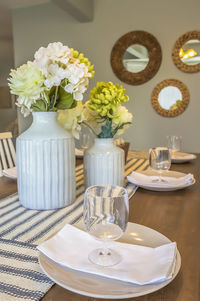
{"type": "Point", "coordinates": [174, 143]}
{"type": "Point", "coordinates": [106, 210]}
{"type": "Point", "coordinates": [86, 137]}
{"type": "Point", "coordinates": [160, 160]}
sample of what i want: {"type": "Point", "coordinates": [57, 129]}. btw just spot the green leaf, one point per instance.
{"type": "Point", "coordinates": [65, 100]}
{"type": "Point", "coordinates": [51, 105]}
{"type": "Point", "coordinates": [106, 130]}
{"type": "Point", "coordinates": [39, 106]}
{"type": "Point", "coordinates": [119, 128]}
{"type": "Point", "coordinates": [53, 109]}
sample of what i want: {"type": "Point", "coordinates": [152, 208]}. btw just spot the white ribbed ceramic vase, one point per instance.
{"type": "Point", "coordinates": [104, 163]}
{"type": "Point", "coordinates": [46, 164]}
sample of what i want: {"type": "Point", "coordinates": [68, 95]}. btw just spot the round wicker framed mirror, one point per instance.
{"type": "Point", "coordinates": [170, 98]}
{"type": "Point", "coordinates": [186, 52]}
{"type": "Point", "coordinates": [136, 57]}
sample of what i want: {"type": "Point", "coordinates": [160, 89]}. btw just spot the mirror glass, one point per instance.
{"type": "Point", "coordinates": [186, 52]}
{"type": "Point", "coordinates": [135, 58]}
{"type": "Point", "coordinates": [190, 52]}
{"type": "Point", "coordinates": [170, 98]}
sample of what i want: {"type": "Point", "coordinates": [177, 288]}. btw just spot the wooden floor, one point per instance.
{"type": "Point", "coordinates": [177, 216]}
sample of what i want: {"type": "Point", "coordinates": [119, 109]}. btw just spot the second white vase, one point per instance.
{"type": "Point", "coordinates": [104, 163]}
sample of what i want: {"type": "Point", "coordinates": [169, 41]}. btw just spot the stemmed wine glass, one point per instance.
{"type": "Point", "coordinates": [160, 160]}
{"type": "Point", "coordinates": [106, 210]}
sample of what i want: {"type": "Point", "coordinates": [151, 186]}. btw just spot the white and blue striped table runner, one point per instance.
{"type": "Point", "coordinates": [21, 230]}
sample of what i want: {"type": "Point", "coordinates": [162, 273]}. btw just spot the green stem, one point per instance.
{"type": "Point", "coordinates": [46, 105]}
{"type": "Point", "coordinates": [56, 92]}
{"type": "Point", "coordinates": [90, 128]}
{"type": "Point", "coordinates": [119, 127]}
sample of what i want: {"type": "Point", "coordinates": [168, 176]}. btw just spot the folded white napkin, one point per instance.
{"type": "Point", "coordinates": [78, 152]}
{"type": "Point", "coordinates": [10, 172]}
{"type": "Point", "coordinates": [180, 155]}
{"type": "Point", "coordinates": [140, 265]}
{"type": "Point", "coordinates": [140, 178]}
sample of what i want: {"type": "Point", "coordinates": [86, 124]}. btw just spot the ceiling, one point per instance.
{"type": "Point", "coordinates": [23, 3]}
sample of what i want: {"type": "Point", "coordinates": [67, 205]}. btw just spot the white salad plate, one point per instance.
{"type": "Point", "coordinates": [160, 186]}
{"type": "Point", "coordinates": [10, 173]}
{"type": "Point", "coordinates": [106, 288]}
{"type": "Point", "coordinates": [179, 157]}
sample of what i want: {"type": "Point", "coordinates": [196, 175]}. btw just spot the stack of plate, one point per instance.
{"type": "Point", "coordinates": [102, 287]}
{"type": "Point", "coordinates": [178, 157]}
{"type": "Point", "coordinates": [171, 180]}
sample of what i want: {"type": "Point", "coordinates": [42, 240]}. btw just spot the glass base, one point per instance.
{"type": "Point", "coordinates": [104, 257]}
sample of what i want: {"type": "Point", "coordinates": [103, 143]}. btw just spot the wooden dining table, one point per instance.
{"type": "Point", "coordinates": [175, 214]}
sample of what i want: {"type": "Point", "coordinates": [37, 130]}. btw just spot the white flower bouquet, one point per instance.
{"type": "Point", "coordinates": [55, 80]}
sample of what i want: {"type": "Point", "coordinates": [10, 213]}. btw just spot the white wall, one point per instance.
{"type": "Point", "coordinates": [6, 63]}
{"type": "Point", "coordinates": [6, 115]}
{"type": "Point", "coordinates": [166, 20]}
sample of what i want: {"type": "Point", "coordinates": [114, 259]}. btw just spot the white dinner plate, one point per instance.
{"type": "Point", "coordinates": [10, 173]}
{"type": "Point", "coordinates": [160, 186]}
{"type": "Point", "coordinates": [106, 288]}
{"type": "Point", "coordinates": [179, 157]}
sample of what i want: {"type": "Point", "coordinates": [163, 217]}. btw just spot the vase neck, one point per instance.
{"type": "Point", "coordinates": [103, 142]}
{"type": "Point", "coordinates": [44, 117]}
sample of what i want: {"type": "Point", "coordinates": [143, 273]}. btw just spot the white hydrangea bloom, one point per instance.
{"type": "Point", "coordinates": [24, 110]}
{"type": "Point", "coordinates": [54, 52]}
{"type": "Point", "coordinates": [69, 88]}
{"type": "Point", "coordinates": [47, 61]}
{"type": "Point", "coordinates": [25, 104]}
{"type": "Point", "coordinates": [78, 89]}
{"type": "Point", "coordinates": [55, 75]}
{"type": "Point", "coordinates": [54, 66]}
{"type": "Point", "coordinates": [74, 73]}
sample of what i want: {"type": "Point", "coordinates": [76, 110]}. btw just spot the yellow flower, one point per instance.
{"type": "Point", "coordinates": [122, 116]}
{"type": "Point", "coordinates": [71, 119]}
{"type": "Point", "coordinates": [80, 56]}
{"type": "Point", "coordinates": [105, 97]}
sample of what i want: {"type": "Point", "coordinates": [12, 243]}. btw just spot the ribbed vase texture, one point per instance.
{"type": "Point", "coordinates": [46, 164]}
{"type": "Point", "coordinates": [104, 164]}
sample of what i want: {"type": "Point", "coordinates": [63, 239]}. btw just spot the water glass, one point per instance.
{"type": "Point", "coordinates": [160, 160]}
{"type": "Point", "coordinates": [106, 210]}
{"type": "Point", "coordinates": [174, 143]}
{"type": "Point", "coordinates": [86, 137]}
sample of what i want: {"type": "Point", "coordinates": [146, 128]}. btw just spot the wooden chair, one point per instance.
{"type": "Point", "coordinates": [7, 151]}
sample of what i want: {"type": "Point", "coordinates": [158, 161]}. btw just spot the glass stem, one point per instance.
{"type": "Point", "coordinates": [160, 175]}
{"type": "Point", "coordinates": [105, 250]}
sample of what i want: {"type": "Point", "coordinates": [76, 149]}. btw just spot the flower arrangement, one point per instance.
{"type": "Point", "coordinates": [104, 111]}
{"type": "Point", "coordinates": [71, 119]}
{"type": "Point", "coordinates": [55, 80]}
